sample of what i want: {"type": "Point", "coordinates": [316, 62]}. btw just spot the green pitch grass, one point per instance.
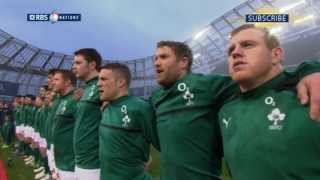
{"type": "Point", "coordinates": [16, 169]}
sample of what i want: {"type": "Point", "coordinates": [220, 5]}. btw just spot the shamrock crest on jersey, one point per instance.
{"type": "Point", "coordinates": [188, 95]}
{"type": "Point", "coordinates": [92, 90]}
{"type": "Point", "coordinates": [62, 107]}
{"type": "Point", "coordinates": [276, 117]}
{"type": "Point", "coordinates": [126, 120]}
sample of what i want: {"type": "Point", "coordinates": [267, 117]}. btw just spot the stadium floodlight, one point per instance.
{"type": "Point", "coordinates": [199, 34]}
{"type": "Point", "coordinates": [305, 18]}
{"type": "Point", "coordinates": [196, 56]}
{"type": "Point", "coordinates": [291, 6]}
{"type": "Point", "coordinates": [275, 30]}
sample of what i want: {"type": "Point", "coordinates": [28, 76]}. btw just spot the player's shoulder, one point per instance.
{"type": "Point", "coordinates": [207, 79]}
{"type": "Point", "coordinates": [139, 102]}
{"type": "Point", "coordinates": [156, 94]}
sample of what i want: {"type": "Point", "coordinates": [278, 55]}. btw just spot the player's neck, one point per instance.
{"type": "Point", "coordinates": [66, 90]}
{"type": "Point", "coordinates": [182, 74]}
{"type": "Point", "coordinates": [254, 83]}
{"type": "Point", "coordinates": [121, 94]}
{"type": "Point", "coordinates": [91, 75]}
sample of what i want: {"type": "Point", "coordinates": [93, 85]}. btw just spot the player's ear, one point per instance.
{"type": "Point", "coordinates": [277, 55]}
{"type": "Point", "coordinates": [120, 82]}
{"type": "Point", "coordinates": [184, 62]}
{"type": "Point", "coordinates": [92, 65]}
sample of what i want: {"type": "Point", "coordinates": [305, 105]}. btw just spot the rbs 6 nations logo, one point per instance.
{"type": "Point", "coordinates": [53, 17]}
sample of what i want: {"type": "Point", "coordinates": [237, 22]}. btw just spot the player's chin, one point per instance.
{"type": "Point", "coordinates": [102, 98]}
{"type": "Point", "coordinates": [160, 80]}
{"type": "Point", "coordinates": [240, 76]}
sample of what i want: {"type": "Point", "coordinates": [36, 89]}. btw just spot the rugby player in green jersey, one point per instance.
{"type": "Point", "coordinates": [126, 129]}
{"type": "Point", "coordinates": [64, 82]}
{"type": "Point", "coordinates": [267, 133]}
{"type": "Point", "coordinates": [86, 133]}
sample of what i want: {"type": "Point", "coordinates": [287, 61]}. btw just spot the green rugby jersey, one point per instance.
{"type": "Point", "coordinates": [37, 119]}
{"type": "Point", "coordinates": [188, 131]}
{"type": "Point", "coordinates": [23, 115]}
{"type": "Point", "coordinates": [43, 121]}
{"type": "Point", "coordinates": [86, 132]}
{"type": "Point", "coordinates": [125, 136]}
{"type": "Point", "coordinates": [50, 123]}
{"type": "Point", "coordinates": [17, 115]}
{"type": "Point", "coordinates": [267, 134]}
{"type": "Point", "coordinates": [64, 119]}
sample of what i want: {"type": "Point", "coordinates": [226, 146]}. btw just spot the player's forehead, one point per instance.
{"type": "Point", "coordinates": [106, 73]}
{"type": "Point", "coordinates": [163, 50]}
{"type": "Point", "coordinates": [79, 58]}
{"type": "Point", "coordinates": [251, 34]}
